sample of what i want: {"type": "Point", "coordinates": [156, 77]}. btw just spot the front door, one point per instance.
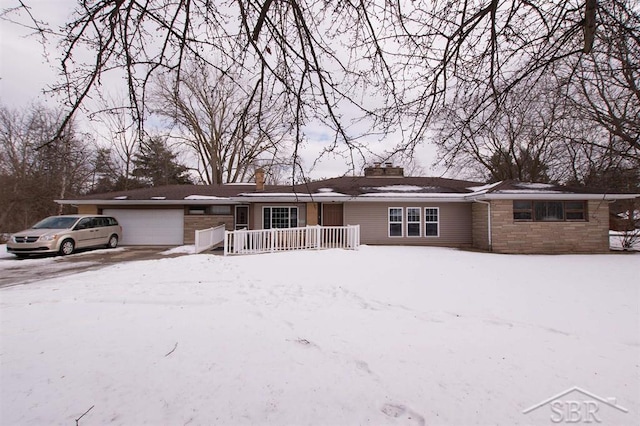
{"type": "Point", "coordinates": [242, 217]}
{"type": "Point", "coordinates": [332, 214]}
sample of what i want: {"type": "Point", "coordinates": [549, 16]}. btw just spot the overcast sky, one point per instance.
{"type": "Point", "coordinates": [27, 68]}
{"type": "Point", "coordinates": [24, 71]}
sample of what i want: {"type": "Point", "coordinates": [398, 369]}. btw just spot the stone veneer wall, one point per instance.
{"type": "Point", "coordinates": [509, 236]}
{"type": "Point", "coordinates": [480, 226]}
{"type": "Point", "coordinates": [87, 209]}
{"type": "Point", "coordinates": [194, 222]}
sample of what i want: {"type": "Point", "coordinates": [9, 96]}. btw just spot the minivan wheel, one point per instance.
{"type": "Point", "coordinates": [113, 242]}
{"type": "Point", "coordinates": [67, 247]}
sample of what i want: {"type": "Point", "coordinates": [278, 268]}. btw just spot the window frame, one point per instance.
{"type": "Point", "coordinates": [583, 211]}
{"type": "Point", "coordinates": [289, 209]}
{"type": "Point", "coordinates": [522, 210]}
{"type": "Point", "coordinates": [410, 222]}
{"type": "Point", "coordinates": [196, 210]}
{"type": "Point", "coordinates": [389, 222]}
{"type": "Point", "coordinates": [532, 210]}
{"type": "Point", "coordinates": [427, 222]}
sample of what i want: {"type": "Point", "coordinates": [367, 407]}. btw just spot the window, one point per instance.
{"type": "Point", "coordinates": [395, 221]}
{"type": "Point", "coordinates": [84, 223]}
{"type": "Point", "coordinates": [99, 222]}
{"type": "Point", "coordinates": [522, 210]}
{"type": "Point", "coordinates": [279, 217]}
{"type": "Point", "coordinates": [226, 210]}
{"type": "Point", "coordinates": [413, 222]}
{"type": "Point", "coordinates": [210, 210]}
{"type": "Point", "coordinates": [575, 210]}
{"type": "Point", "coordinates": [197, 209]}
{"type": "Point", "coordinates": [549, 211]}
{"type": "Point", "coordinates": [431, 224]}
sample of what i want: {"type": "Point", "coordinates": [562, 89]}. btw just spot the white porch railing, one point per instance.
{"type": "Point", "coordinates": [281, 239]}
{"type": "Point", "coordinates": [208, 238]}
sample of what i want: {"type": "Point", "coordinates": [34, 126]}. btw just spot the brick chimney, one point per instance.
{"type": "Point", "coordinates": [259, 179]}
{"type": "Point", "coordinates": [387, 171]}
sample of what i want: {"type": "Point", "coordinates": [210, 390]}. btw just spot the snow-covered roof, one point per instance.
{"type": "Point", "coordinates": [514, 190]}
{"type": "Point", "coordinates": [411, 195]}
{"type": "Point", "coordinates": [347, 189]}
{"type": "Point", "coordinates": [204, 197]}
{"type": "Point", "coordinates": [483, 188]}
{"type": "Point", "coordinates": [529, 191]}
{"type": "Point", "coordinates": [292, 196]}
{"type": "Point", "coordinates": [399, 188]}
{"type": "Point", "coordinates": [533, 185]}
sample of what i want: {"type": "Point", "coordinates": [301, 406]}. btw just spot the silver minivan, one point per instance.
{"type": "Point", "coordinates": [65, 234]}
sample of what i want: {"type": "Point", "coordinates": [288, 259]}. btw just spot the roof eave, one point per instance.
{"type": "Point", "coordinates": [148, 202]}
{"type": "Point", "coordinates": [552, 196]}
{"type": "Point", "coordinates": [367, 198]}
{"type": "Point", "coordinates": [293, 198]}
{"type": "Point", "coordinates": [448, 198]}
{"type": "Point", "coordinates": [304, 198]}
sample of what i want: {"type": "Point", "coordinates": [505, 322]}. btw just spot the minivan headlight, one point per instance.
{"type": "Point", "coordinates": [48, 237]}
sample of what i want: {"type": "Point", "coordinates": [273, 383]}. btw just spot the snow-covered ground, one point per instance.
{"type": "Point", "coordinates": [382, 335]}
{"type": "Point", "coordinates": [3, 252]}
{"type": "Point", "coordinates": [189, 249]}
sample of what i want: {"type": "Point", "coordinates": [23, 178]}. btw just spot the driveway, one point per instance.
{"type": "Point", "coordinates": [14, 271]}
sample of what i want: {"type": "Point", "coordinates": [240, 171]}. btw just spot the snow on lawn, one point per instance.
{"type": "Point", "coordinates": [189, 249]}
{"type": "Point", "coordinates": [383, 335]}
{"type": "Point", "coordinates": [3, 252]}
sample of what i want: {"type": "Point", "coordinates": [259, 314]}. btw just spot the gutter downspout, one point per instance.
{"type": "Point", "coordinates": [488, 221]}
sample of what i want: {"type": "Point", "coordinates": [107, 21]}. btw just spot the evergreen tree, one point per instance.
{"type": "Point", "coordinates": [156, 165]}
{"type": "Point", "coordinates": [108, 175]}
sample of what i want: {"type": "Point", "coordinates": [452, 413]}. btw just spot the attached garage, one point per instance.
{"type": "Point", "coordinates": [150, 226]}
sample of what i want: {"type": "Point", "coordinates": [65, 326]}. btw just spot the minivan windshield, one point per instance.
{"type": "Point", "coordinates": [56, 222]}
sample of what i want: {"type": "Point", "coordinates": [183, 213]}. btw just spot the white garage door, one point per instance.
{"type": "Point", "coordinates": [152, 227]}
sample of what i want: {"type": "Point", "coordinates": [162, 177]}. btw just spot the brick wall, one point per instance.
{"type": "Point", "coordinates": [509, 236]}
{"type": "Point", "coordinates": [195, 222]}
